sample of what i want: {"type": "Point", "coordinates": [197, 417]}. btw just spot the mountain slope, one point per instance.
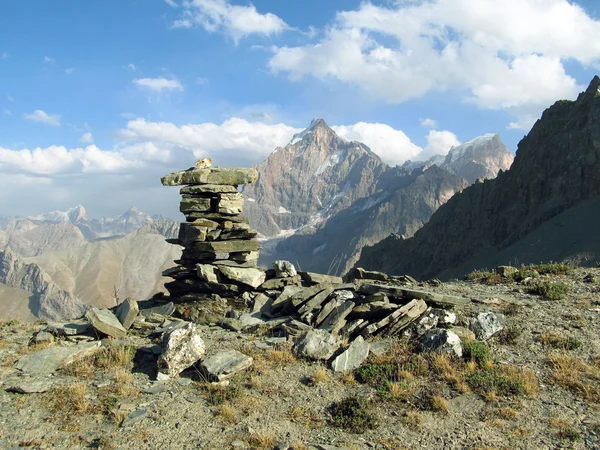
{"type": "Point", "coordinates": [316, 175]}
{"type": "Point", "coordinates": [557, 166]}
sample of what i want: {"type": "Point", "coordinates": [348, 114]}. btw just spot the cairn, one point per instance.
{"type": "Point", "coordinates": [220, 250]}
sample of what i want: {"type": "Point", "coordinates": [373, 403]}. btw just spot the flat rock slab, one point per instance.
{"type": "Point", "coordinates": [233, 246]}
{"type": "Point", "coordinates": [68, 328]}
{"type": "Point", "coordinates": [207, 189]}
{"type": "Point", "coordinates": [164, 310]}
{"type": "Point", "coordinates": [46, 361]}
{"type": "Point", "coordinates": [126, 312]}
{"type": "Point", "coordinates": [106, 322]}
{"type": "Point", "coordinates": [31, 386]}
{"type": "Point", "coordinates": [410, 294]}
{"type": "Point", "coordinates": [353, 357]}
{"type": "Point", "coordinates": [248, 276]}
{"type": "Point", "coordinates": [134, 417]}
{"type": "Point", "coordinates": [319, 278]}
{"type": "Point", "coordinates": [225, 365]}
{"type": "Point", "coordinates": [213, 175]}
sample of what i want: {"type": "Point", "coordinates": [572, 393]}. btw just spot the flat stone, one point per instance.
{"type": "Point", "coordinates": [106, 322]}
{"type": "Point", "coordinates": [190, 233]}
{"type": "Point", "coordinates": [166, 309]}
{"type": "Point", "coordinates": [217, 217]}
{"type": "Point", "coordinates": [406, 310]}
{"type": "Point", "coordinates": [333, 321]}
{"type": "Point", "coordinates": [156, 388]}
{"type": "Point", "coordinates": [31, 386]}
{"type": "Point", "coordinates": [326, 310]}
{"type": "Point", "coordinates": [212, 175]}
{"type": "Point", "coordinates": [441, 341]}
{"type": "Point", "coordinates": [207, 223]}
{"type": "Point", "coordinates": [409, 294]}
{"type": "Point", "coordinates": [284, 269]}
{"type": "Point", "coordinates": [299, 298]}
{"type": "Point", "coordinates": [342, 294]}
{"type": "Point", "coordinates": [227, 262]}
{"type": "Point", "coordinates": [230, 203]}
{"type": "Point", "coordinates": [238, 234]}
{"type": "Point", "coordinates": [126, 312]}
{"type": "Point", "coordinates": [68, 328]}
{"type": "Point", "coordinates": [178, 272]}
{"type": "Point", "coordinates": [359, 273]}
{"type": "Point", "coordinates": [194, 205]}
{"type": "Point", "coordinates": [280, 283]}
{"type": "Point", "coordinates": [316, 344]}
{"type": "Point", "coordinates": [262, 303]}
{"type": "Point", "coordinates": [284, 300]}
{"type": "Point", "coordinates": [485, 325]}
{"type": "Point", "coordinates": [352, 357]}
{"type": "Point", "coordinates": [207, 272]}
{"type": "Point", "coordinates": [248, 321]}
{"type": "Point", "coordinates": [134, 417]}
{"type": "Point", "coordinates": [246, 256]}
{"type": "Point", "coordinates": [207, 189]}
{"type": "Point", "coordinates": [463, 333]}
{"type": "Point", "coordinates": [353, 327]}
{"type": "Point", "coordinates": [248, 276]}
{"type": "Point", "coordinates": [181, 349]}
{"type": "Point", "coordinates": [411, 311]}
{"type": "Point", "coordinates": [318, 278]}
{"type": "Point", "coordinates": [224, 365]}
{"type": "Point", "coordinates": [227, 246]}
{"type": "Point", "coordinates": [316, 301]}
{"type": "Point", "coordinates": [43, 337]}
{"type": "Point", "coordinates": [373, 310]}
{"type": "Point", "coordinates": [46, 361]}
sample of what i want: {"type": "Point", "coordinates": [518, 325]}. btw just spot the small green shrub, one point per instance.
{"type": "Point", "coordinates": [493, 379]}
{"type": "Point", "coordinates": [524, 273]}
{"type": "Point", "coordinates": [509, 335]}
{"type": "Point", "coordinates": [559, 341]}
{"type": "Point", "coordinates": [352, 414]}
{"type": "Point", "coordinates": [217, 395]}
{"type": "Point", "coordinates": [376, 374]}
{"type": "Point", "coordinates": [552, 269]}
{"type": "Point", "coordinates": [550, 291]}
{"type": "Point", "coordinates": [483, 277]}
{"type": "Point", "coordinates": [478, 352]}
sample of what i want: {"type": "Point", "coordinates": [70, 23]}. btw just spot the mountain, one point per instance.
{"type": "Point", "coordinates": [482, 157]}
{"type": "Point", "coordinates": [320, 199]}
{"type": "Point", "coordinates": [27, 238]}
{"type": "Point", "coordinates": [73, 215]}
{"type": "Point", "coordinates": [555, 177]}
{"type": "Point", "coordinates": [315, 176]}
{"type": "Point", "coordinates": [45, 298]}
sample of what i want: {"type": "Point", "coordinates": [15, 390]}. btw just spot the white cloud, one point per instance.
{"type": "Point", "coordinates": [41, 116]}
{"type": "Point", "coordinates": [202, 81]}
{"type": "Point", "coordinates": [251, 141]}
{"type": "Point", "coordinates": [439, 143]}
{"type": "Point", "coordinates": [69, 70]}
{"type": "Point", "coordinates": [506, 55]}
{"type": "Point", "coordinates": [392, 146]}
{"type": "Point", "coordinates": [428, 123]}
{"type": "Point", "coordinates": [235, 20]}
{"type": "Point", "coordinates": [86, 138]}
{"type": "Point", "coordinates": [130, 66]}
{"type": "Point", "coordinates": [48, 60]}
{"type": "Point", "coordinates": [171, 3]}
{"type": "Point", "coordinates": [524, 122]}
{"type": "Point", "coordinates": [159, 84]}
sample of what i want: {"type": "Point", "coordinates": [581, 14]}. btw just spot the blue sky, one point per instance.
{"type": "Point", "coordinates": [98, 99]}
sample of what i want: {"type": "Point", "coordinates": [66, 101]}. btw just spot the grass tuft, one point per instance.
{"type": "Point", "coordinates": [353, 415]}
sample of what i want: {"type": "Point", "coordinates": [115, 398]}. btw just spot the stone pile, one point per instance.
{"type": "Point", "coordinates": [220, 250]}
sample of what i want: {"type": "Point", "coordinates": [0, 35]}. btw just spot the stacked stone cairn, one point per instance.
{"type": "Point", "coordinates": [220, 250]}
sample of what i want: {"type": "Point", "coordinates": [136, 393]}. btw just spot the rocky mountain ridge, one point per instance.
{"type": "Point", "coordinates": [557, 166]}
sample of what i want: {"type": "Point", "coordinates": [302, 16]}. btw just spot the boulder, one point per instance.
{"type": "Point", "coordinates": [106, 322]}
{"type": "Point", "coordinates": [126, 312]}
{"type": "Point", "coordinates": [441, 341]}
{"type": "Point", "coordinates": [316, 344]}
{"type": "Point", "coordinates": [505, 271]}
{"type": "Point", "coordinates": [284, 269]}
{"type": "Point", "coordinates": [181, 349]}
{"type": "Point", "coordinates": [249, 276]}
{"type": "Point", "coordinates": [485, 325]}
{"type": "Point", "coordinates": [224, 365]}
{"type": "Point", "coordinates": [464, 334]}
{"type": "Point", "coordinates": [353, 356]}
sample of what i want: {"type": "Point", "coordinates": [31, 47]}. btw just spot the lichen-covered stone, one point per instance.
{"type": "Point", "coordinates": [213, 175]}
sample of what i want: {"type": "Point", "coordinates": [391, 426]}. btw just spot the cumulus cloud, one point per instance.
{"type": "Point", "coordinates": [237, 21]}
{"type": "Point", "coordinates": [159, 84]}
{"type": "Point", "coordinates": [505, 55]}
{"type": "Point", "coordinates": [86, 138]}
{"type": "Point", "coordinates": [393, 146]}
{"type": "Point", "coordinates": [43, 117]}
{"type": "Point", "coordinates": [428, 123]}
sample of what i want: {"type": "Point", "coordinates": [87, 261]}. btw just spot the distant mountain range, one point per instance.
{"type": "Point", "coordinates": [546, 207]}
{"type": "Point", "coordinates": [321, 198]}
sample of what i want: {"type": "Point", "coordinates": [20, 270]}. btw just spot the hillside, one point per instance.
{"type": "Point", "coordinates": [557, 167]}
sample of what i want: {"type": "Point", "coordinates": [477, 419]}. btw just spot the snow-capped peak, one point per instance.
{"type": "Point", "coordinates": [313, 124]}
{"type": "Point", "coordinates": [72, 215]}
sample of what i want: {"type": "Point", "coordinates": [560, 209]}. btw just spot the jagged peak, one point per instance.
{"type": "Point", "coordinates": [593, 89]}
{"type": "Point", "coordinates": [316, 124]}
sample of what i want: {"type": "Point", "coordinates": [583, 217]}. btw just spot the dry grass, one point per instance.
{"type": "Point", "coordinates": [412, 419]}
{"type": "Point", "coordinates": [348, 378]}
{"type": "Point", "coordinates": [490, 396]}
{"type": "Point", "coordinates": [507, 413]}
{"type": "Point", "coordinates": [319, 376]}
{"type": "Point", "coordinates": [70, 399]}
{"type": "Point", "coordinates": [261, 440]}
{"type": "Point", "coordinates": [280, 357]}
{"type": "Point", "coordinates": [227, 412]}
{"type": "Point", "coordinates": [559, 341]}
{"type": "Point", "coordinates": [565, 429]}
{"type": "Point", "coordinates": [113, 357]}
{"type": "Point", "coordinates": [572, 373]}
{"type": "Point", "coordinates": [439, 403]}
{"type": "Point", "coordinates": [124, 383]}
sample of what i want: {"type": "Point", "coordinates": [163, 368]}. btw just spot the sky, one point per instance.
{"type": "Point", "coordinates": [98, 100]}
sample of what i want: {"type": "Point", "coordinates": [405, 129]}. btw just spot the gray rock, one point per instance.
{"type": "Point", "coordinates": [229, 323]}
{"type": "Point", "coordinates": [284, 269]}
{"type": "Point", "coordinates": [207, 189]}
{"type": "Point", "coordinates": [250, 321]}
{"type": "Point", "coordinates": [156, 388]}
{"type": "Point", "coordinates": [225, 365]}
{"type": "Point", "coordinates": [353, 357]}
{"type": "Point", "coordinates": [181, 348]}
{"type": "Point", "coordinates": [31, 386]}
{"type": "Point", "coordinates": [373, 310]}
{"type": "Point", "coordinates": [232, 203]}
{"type": "Point", "coordinates": [46, 361]}
{"type": "Point", "coordinates": [427, 322]}
{"type": "Point", "coordinates": [358, 273]}
{"type": "Point", "coordinates": [106, 322]}
{"type": "Point", "coordinates": [280, 283]}
{"type": "Point", "coordinates": [234, 246]}
{"type": "Point", "coordinates": [316, 301]}
{"type": "Point", "coordinates": [213, 175]}
{"type": "Point", "coordinates": [194, 205]}
{"type": "Point", "coordinates": [441, 341]}
{"type": "Point", "coordinates": [343, 295]}
{"type": "Point", "coordinates": [411, 312]}
{"type": "Point", "coordinates": [207, 272]}
{"type": "Point", "coordinates": [319, 278]}
{"type": "Point", "coordinates": [249, 276]}
{"type": "Point", "coordinates": [68, 328]}
{"type": "Point", "coordinates": [316, 344]}
{"type": "Point", "coordinates": [134, 417]}
{"type": "Point", "coordinates": [43, 337]}
{"type": "Point", "coordinates": [333, 320]}
{"type": "Point", "coordinates": [463, 333]}
{"type": "Point", "coordinates": [126, 312]}
{"type": "Point", "coordinates": [485, 325]}
{"type": "Point", "coordinates": [284, 300]}
{"type": "Point", "coordinates": [262, 303]}
{"type": "Point", "coordinates": [445, 318]}
{"type": "Point", "coordinates": [164, 310]}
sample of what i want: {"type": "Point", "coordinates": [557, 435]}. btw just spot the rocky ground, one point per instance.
{"type": "Point", "coordinates": [534, 384]}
